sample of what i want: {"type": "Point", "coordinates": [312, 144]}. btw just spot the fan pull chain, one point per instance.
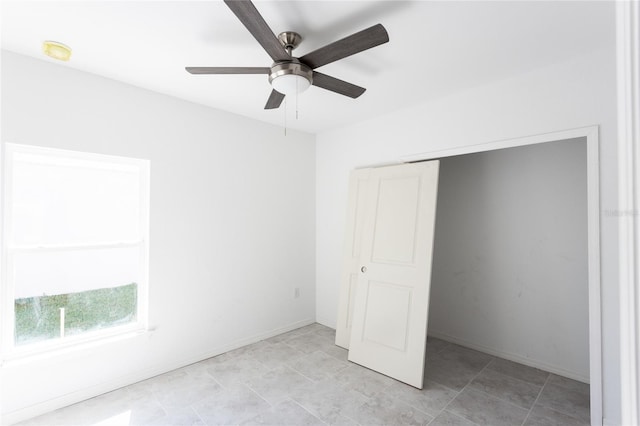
{"type": "Point", "coordinates": [296, 99]}
{"type": "Point", "coordinates": [285, 116]}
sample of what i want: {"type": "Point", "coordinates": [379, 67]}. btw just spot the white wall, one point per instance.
{"type": "Point", "coordinates": [231, 224]}
{"type": "Point", "coordinates": [510, 255]}
{"type": "Point", "coordinates": [576, 93]}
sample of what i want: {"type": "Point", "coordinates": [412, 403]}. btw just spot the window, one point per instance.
{"type": "Point", "coordinates": [74, 259]}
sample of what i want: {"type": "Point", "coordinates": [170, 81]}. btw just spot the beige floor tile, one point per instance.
{"type": "Point", "coordinates": [484, 409]}
{"type": "Point", "coordinates": [518, 392]}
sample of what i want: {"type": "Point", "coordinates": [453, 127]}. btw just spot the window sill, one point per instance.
{"type": "Point", "coordinates": [35, 352]}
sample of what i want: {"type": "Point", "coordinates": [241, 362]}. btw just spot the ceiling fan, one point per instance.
{"type": "Point", "coordinates": [288, 74]}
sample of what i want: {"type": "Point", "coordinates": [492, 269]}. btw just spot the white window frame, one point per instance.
{"type": "Point", "coordinates": [9, 349]}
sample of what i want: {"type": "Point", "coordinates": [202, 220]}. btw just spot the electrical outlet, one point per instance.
{"type": "Point", "coordinates": [296, 292]}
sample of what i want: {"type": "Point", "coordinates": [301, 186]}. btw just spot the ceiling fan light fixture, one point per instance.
{"type": "Point", "coordinates": [290, 84]}
{"type": "Point", "coordinates": [290, 78]}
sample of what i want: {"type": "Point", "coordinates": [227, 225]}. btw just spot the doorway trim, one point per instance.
{"type": "Point", "coordinates": [628, 66]}
{"type": "Point", "coordinates": [591, 133]}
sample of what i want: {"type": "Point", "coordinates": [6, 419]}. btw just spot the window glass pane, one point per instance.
{"type": "Point", "coordinates": [39, 318]}
{"type": "Point", "coordinates": [58, 200]}
{"type": "Point", "coordinates": [50, 273]}
{"type": "Point", "coordinates": [67, 211]}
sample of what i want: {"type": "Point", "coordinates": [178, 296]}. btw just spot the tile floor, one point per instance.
{"type": "Point", "coordinates": [302, 378]}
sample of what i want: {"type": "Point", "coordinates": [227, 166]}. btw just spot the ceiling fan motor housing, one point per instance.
{"type": "Point", "coordinates": [290, 76]}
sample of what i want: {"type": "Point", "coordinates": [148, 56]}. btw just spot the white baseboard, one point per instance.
{"type": "Point", "coordinates": [102, 388]}
{"type": "Point", "coordinates": [326, 322]}
{"type": "Point", "coordinates": [512, 357]}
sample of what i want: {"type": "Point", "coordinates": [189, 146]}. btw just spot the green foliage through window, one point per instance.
{"type": "Point", "coordinates": [38, 318]}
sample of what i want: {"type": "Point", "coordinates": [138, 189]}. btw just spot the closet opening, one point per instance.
{"type": "Point", "coordinates": [510, 275]}
{"type": "Point", "coordinates": [515, 271]}
{"type": "Point", "coordinates": [516, 261]}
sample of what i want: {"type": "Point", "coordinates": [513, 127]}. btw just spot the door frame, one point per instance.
{"type": "Point", "coordinates": [628, 66]}
{"type": "Point", "coordinates": [591, 133]}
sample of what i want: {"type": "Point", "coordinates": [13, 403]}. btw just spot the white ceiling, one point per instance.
{"type": "Point", "coordinates": [435, 48]}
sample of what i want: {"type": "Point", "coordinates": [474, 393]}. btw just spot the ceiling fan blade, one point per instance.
{"type": "Point", "coordinates": [355, 43]}
{"type": "Point", "coordinates": [336, 85]}
{"type": "Point", "coordinates": [255, 23]}
{"type": "Point", "coordinates": [274, 101]}
{"type": "Point", "coordinates": [228, 70]}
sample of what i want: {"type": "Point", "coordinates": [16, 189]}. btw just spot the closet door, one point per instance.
{"type": "Point", "coordinates": [358, 189]}
{"type": "Point", "coordinates": [389, 328]}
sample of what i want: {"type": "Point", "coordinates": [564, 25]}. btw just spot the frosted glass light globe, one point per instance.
{"type": "Point", "coordinates": [290, 84]}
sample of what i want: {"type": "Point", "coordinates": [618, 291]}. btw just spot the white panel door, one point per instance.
{"type": "Point", "coordinates": [389, 329]}
{"type": "Point", "coordinates": [351, 255]}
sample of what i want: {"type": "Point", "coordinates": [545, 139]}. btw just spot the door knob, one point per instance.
{"type": "Point", "coordinates": [363, 269]}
